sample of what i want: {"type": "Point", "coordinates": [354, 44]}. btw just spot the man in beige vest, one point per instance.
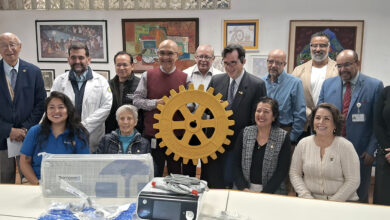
{"type": "Point", "coordinates": [314, 72]}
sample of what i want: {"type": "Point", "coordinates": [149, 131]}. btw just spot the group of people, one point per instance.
{"type": "Point", "coordinates": [318, 128]}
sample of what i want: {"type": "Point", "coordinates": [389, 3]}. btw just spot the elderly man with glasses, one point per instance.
{"type": "Point", "coordinates": [288, 91]}
{"type": "Point", "coordinates": [243, 91]}
{"type": "Point", "coordinates": [22, 99]}
{"type": "Point", "coordinates": [315, 71]}
{"type": "Point", "coordinates": [203, 70]}
{"type": "Point", "coordinates": [155, 84]}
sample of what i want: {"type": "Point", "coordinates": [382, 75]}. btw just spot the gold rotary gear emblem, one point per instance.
{"type": "Point", "coordinates": [194, 124]}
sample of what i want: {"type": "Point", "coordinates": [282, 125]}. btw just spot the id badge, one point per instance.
{"type": "Point", "coordinates": [358, 118]}
{"type": "Point", "coordinates": [153, 143]}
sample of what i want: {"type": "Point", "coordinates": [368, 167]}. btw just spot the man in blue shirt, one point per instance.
{"type": "Point", "coordinates": [288, 91]}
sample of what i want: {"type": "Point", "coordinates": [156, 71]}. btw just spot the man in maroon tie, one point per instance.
{"type": "Point", "coordinates": [355, 95]}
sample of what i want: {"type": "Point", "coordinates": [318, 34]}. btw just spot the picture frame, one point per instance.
{"type": "Point", "coordinates": [217, 63]}
{"type": "Point", "coordinates": [243, 32]}
{"type": "Point", "coordinates": [54, 37]}
{"type": "Point", "coordinates": [344, 34]}
{"type": "Point", "coordinates": [258, 65]}
{"type": "Point", "coordinates": [105, 73]}
{"type": "Point", "coordinates": [141, 38]}
{"type": "Point", "coordinates": [48, 76]}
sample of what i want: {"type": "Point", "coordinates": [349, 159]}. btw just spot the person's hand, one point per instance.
{"type": "Point", "coordinates": [160, 101]}
{"type": "Point", "coordinates": [368, 159]}
{"type": "Point", "coordinates": [17, 134]}
{"type": "Point", "coordinates": [387, 156]}
{"type": "Point", "coordinates": [246, 190]}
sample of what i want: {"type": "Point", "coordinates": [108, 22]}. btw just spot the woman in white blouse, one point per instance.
{"type": "Point", "coordinates": [325, 165]}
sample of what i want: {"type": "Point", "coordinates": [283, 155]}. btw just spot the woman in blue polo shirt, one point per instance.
{"type": "Point", "coordinates": [60, 132]}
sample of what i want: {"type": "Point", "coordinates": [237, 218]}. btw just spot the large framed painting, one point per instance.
{"type": "Point", "coordinates": [55, 36]}
{"type": "Point", "coordinates": [242, 32]}
{"type": "Point", "coordinates": [141, 38]}
{"type": "Point", "coordinates": [346, 34]}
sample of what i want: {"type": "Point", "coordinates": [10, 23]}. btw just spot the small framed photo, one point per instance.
{"type": "Point", "coordinates": [217, 64]}
{"type": "Point", "coordinates": [48, 78]}
{"type": "Point", "coordinates": [258, 63]}
{"type": "Point", "coordinates": [55, 36]}
{"type": "Point", "coordinates": [105, 73]}
{"type": "Point", "coordinates": [243, 32]}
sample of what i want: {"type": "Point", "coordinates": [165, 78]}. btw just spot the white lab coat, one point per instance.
{"type": "Point", "coordinates": [96, 105]}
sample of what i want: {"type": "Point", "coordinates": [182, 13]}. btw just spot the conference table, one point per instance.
{"type": "Point", "coordinates": [27, 202]}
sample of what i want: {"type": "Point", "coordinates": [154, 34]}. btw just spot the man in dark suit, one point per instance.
{"type": "Point", "coordinates": [355, 95]}
{"type": "Point", "coordinates": [22, 96]}
{"type": "Point", "coordinates": [242, 90]}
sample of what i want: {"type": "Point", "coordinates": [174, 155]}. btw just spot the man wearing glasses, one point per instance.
{"type": "Point", "coordinates": [355, 95]}
{"type": "Point", "coordinates": [203, 70]}
{"type": "Point", "coordinates": [242, 90]}
{"type": "Point", "coordinates": [288, 91]}
{"type": "Point", "coordinates": [314, 72]}
{"type": "Point", "coordinates": [22, 99]}
{"type": "Point", "coordinates": [122, 86]}
{"type": "Point", "coordinates": [155, 84]}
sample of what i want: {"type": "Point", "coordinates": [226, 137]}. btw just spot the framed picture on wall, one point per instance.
{"type": "Point", "coordinates": [243, 32]}
{"type": "Point", "coordinates": [259, 65]}
{"type": "Point", "coordinates": [343, 35]}
{"type": "Point", "coordinates": [141, 38]}
{"type": "Point", "coordinates": [55, 36]}
{"type": "Point", "coordinates": [105, 73]}
{"type": "Point", "coordinates": [218, 64]}
{"type": "Point", "coordinates": [48, 78]}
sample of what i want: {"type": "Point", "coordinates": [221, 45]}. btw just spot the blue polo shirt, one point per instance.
{"type": "Point", "coordinates": [53, 145]}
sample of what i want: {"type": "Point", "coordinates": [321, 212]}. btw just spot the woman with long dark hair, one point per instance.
{"type": "Point", "coordinates": [60, 132]}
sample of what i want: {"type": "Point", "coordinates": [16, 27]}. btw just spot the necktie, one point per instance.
{"type": "Point", "coordinates": [231, 92]}
{"type": "Point", "coordinates": [14, 74]}
{"type": "Point", "coordinates": [346, 102]}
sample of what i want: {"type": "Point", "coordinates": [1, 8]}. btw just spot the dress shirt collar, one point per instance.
{"type": "Point", "coordinates": [278, 80]}
{"type": "Point", "coordinates": [196, 71]}
{"type": "Point", "coordinates": [239, 78]}
{"type": "Point", "coordinates": [8, 68]}
{"type": "Point", "coordinates": [173, 70]}
{"type": "Point", "coordinates": [354, 80]}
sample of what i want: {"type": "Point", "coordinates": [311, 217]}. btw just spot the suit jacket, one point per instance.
{"type": "Point", "coordinates": [250, 90]}
{"type": "Point", "coordinates": [27, 107]}
{"type": "Point", "coordinates": [303, 72]}
{"type": "Point", "coordinates": [366, 92]}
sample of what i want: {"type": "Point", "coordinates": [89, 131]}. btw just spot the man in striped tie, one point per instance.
{"type": "Point", "coordinates": [355, 95]}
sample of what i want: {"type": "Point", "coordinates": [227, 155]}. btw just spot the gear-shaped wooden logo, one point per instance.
{"type": "Point", "coordinates": [203, 130]}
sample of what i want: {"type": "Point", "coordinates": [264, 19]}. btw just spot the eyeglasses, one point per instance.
{"type": "Point", "coordinates": [319, 45]}
{"type": "Point", "coordinates": [231, 63]}
{"type": "Point", "coordinates": [166, 53]}
{"type": "Point", "coordinates": [277, 63]}
{"type": "Point", "coordinates": [10, 45]}
{"type": "Point", "coordinates": [345, 65]}
{"type": "Point", "coordinates": [201, 57]}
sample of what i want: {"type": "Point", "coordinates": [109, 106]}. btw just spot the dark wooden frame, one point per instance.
{"type": "Point", "coordinates": [67, 27]}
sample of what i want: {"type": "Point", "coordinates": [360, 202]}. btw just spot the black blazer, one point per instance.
{"type": "Point", "coordinates": [249, 92]}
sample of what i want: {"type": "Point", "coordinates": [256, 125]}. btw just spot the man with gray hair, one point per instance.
{"type": "Point", "coordinates": [203, 70]}
{"type": "Point", "coordinates": [88, 90]}
{"type": "Point", "coordinates": [22, 99]}
{"type": "Point", "coordinates": [314, 72]}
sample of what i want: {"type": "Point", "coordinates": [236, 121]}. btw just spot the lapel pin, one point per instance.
{"type": "Point", "coordinates": [24, 70]}
{"type": "Point", "coordinates": [240, 92]}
